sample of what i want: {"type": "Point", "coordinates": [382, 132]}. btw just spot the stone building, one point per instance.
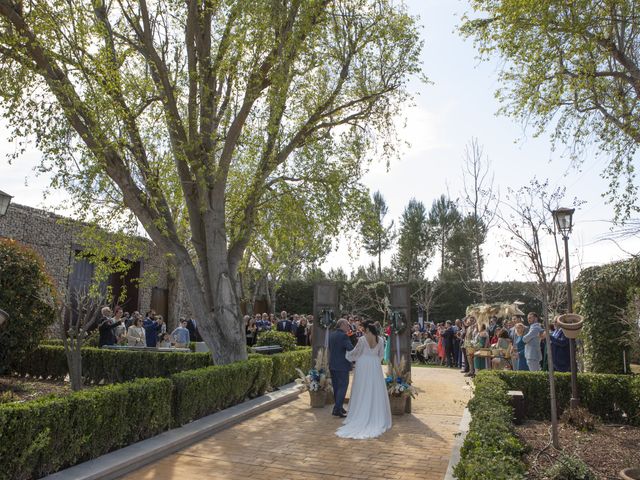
{"type": "Point", "coordinates": [58, 241]}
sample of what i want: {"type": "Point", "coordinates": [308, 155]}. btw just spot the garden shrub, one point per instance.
{"type": "Point", "coordinates": [285, 364]}
{"type": "Point", "coordinates": [568, 467]}
{"type": "Point", "coordinates": [42, 436]}
{"type": "Point", "coordinates": [271, 337]}
{"type": "Point", "coordinates": [491, 449]}
{"type": "Point", "coordinates": [27, 295]}
{"type": "Point", "coordinates": [613, 398]}
{"type": "Point", "coordinates": [207, 390]}
{"type": "Point", "coordinates": [108, 366]}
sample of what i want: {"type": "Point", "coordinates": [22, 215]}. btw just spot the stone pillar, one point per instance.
{"type": "Point", "coordinates": [401, 303]}
{"type": "Point", "coordinates": [325, 297]}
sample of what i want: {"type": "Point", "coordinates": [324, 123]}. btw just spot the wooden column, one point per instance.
{"type": "Point", "coordinates": [401, 302]}
{"type": "Point", "coordinates": [325, 296]}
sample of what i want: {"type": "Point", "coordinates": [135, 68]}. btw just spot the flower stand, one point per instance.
{"type": "Point", "coordinates": [397, 404]}
{"type": "Point", "coordinates": [318, 399]}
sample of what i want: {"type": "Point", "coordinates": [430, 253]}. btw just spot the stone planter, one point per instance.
{"type": "Point", "coordinates": [318, 399]}
{"type": "Point", "coordinates": [397, 404]}
{"type": "Point", "coordinates": [570, 323]}
{"type": "Point", "coordinates": [630, 474]}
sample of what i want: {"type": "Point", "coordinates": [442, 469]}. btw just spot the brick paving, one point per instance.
{"type": "Point", "coordinates": [297, 442]}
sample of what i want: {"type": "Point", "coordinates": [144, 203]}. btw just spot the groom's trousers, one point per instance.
{"type": "Point", "coordinates": [340, 382]}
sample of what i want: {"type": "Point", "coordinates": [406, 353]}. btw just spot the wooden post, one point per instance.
{"type": "Point", "coordinates": [325, 296]}
{"type": "Point", "coordinates": [401, 302]}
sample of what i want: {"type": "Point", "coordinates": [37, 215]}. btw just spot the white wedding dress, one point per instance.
{"type": "Point", "coordinates": [369, 412]}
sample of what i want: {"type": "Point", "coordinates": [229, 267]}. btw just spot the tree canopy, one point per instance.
{"type": "Point", "coordinates": [415, 245]}
{"type": "Point", "coordinates": [182, 116]}
{"type": "Point", "coordinates": [574, 67]}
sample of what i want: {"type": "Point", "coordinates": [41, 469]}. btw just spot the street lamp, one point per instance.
{"type": "Point", "coordinates": [5, 200]}
{"type": "Point", "coordinates": [564, 222]}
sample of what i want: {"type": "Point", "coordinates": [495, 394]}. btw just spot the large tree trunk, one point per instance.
{"type": "Point", "coordinates": [173, 285]}
{"type": "Point", "coordinates": [217, 312]}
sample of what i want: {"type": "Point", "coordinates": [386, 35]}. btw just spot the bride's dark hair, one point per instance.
{"type": "Point", "coordinates": [372, 328]}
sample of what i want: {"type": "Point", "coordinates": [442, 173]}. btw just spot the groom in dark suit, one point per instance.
{"type": "Point", "coordinates": [339, 366]}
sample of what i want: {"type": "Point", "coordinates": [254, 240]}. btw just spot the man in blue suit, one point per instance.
{"type": "Point", "coordinates": [339, 366]}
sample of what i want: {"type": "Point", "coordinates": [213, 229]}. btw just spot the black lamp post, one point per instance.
{"type": "Point", "coordinates": [564, 222]}
{"type": "Point", "coordinates": [5, 200]}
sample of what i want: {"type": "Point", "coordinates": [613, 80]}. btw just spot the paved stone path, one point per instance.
{"type": "Point", "coordinates": [297, 442]}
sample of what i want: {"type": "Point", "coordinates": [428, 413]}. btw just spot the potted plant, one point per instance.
{"type": "Point", "coordinates": [399, 387]}
{"type": "Point", "coordinates": [317, 382]}
{"type": "Point", "coordinates": [630, 474]}
{"type": "Point", "coordinates": [570, 323]}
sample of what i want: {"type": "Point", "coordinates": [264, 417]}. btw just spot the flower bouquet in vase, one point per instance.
{"type": "Point", "coordinates": [399, 386]}
{"type": "Point", "coordinates": [317, 382]}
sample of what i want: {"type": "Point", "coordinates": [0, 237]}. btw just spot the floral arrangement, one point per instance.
{"type": "Point", "coordinates": [399, 381]}
{"type": "Point", "coordinates": [317, 379]}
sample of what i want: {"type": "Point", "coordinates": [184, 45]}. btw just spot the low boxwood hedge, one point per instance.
{"type": "Point", "coordinates": [42, 436]}
{"type": "Point", "coordinates": [491, 449]}
{"type": "Point", "coordinates": [109, 366]}
{"type": "Point", "coordinates": [285, 364]}
{"type": "Point", "coordinates": [204, 391]}
{"type": "Point", "coordinates": [613, 398]}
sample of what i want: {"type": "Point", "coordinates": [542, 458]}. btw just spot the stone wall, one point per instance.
{"type": "Point", "coordinates": [56, 238]}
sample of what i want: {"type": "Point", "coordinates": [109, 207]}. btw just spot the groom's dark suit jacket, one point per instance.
{"type": "Point", "coordinates": [339, 345]}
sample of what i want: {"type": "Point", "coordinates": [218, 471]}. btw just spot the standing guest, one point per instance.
{"type": "Point", "coordinates": [532, 350]}
{"type": "Point", "coordinates": [135, 333]}
{"type": "Point", "coordinates": [181, 335]}
{"type": "Point", "coordinates": [284, 324]}
{"type": "Point", "coordinates": [251, 330]}
{"type": "Point", "coordinates": [151, 329]}
{"type": "Point", "coordinates": [469, 341]}
{"type": "Point", "coordinates": [504, 346]}
{"type": "Point", "coordinates": [273, 321]}
{"type": "Point", "coordinates": [560, 351]}
{"type": "Point", "coordinates": [194, 334]}
{"type": "Point", "coordinates": [302, 333]}
{"type": "Point", "coordinates": [481, 341]}
{"type": "Point", "coordinates": [106, 328]}
{"type": "Point", "coordinates": [462, 332]}
{"type": "Point", "coordinates": [128, 319]}
{"type": "Point", "coordinates": [441, 351]}
{"type": "Point", "coordinates": [521, 363]}
{"type": "Point", "coordinates": [493, 325]}
{"type": "Point", "coordinates": [120, 331]}
{"type": "Point", "coordinates": [457, 328]}
{"type": "Point", "coordinates": [448, 335]}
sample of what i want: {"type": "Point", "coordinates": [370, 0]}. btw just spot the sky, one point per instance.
{"type": "Point", "coordinates": [457, 105]}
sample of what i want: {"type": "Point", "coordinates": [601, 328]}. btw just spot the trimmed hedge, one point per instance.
{"type": "Point", "coordinates": [491, 449]}
{"type": "Point", "coordinates": [46, 435]}
{"type": "Point", "coordinates": [271, 337]}
{"type": "Point", "coordinates": [207, 390]}
{"type": "Point", "coordinates": [285, 364]}
{"type": "Point", "coordinates": [601, 293]}
{"type": "Point", "coordinates": [109, 366]}
{"type": "Point", "coordinates": [613, 398]}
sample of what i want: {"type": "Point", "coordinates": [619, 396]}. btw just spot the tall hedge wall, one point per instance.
{"type": "Point", "coordinates": [601, 294]}
{"type": "Point", "coordinates": [452, 298]}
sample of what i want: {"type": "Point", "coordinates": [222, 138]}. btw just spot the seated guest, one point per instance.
{"type": "Point", "coordinates": [135, 334]}
{"type": "Point", "coordinates": [192, 326]}
{"type": "Point", "coordinates": [504, 345]}
{"type": "Point", "coordinates": [164, 341]}
{"type": "Point", "coordinates": [181, 335]}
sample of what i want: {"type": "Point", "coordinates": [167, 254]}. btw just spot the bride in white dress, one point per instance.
{"type": "Point", "coordinates": [369, 413]}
